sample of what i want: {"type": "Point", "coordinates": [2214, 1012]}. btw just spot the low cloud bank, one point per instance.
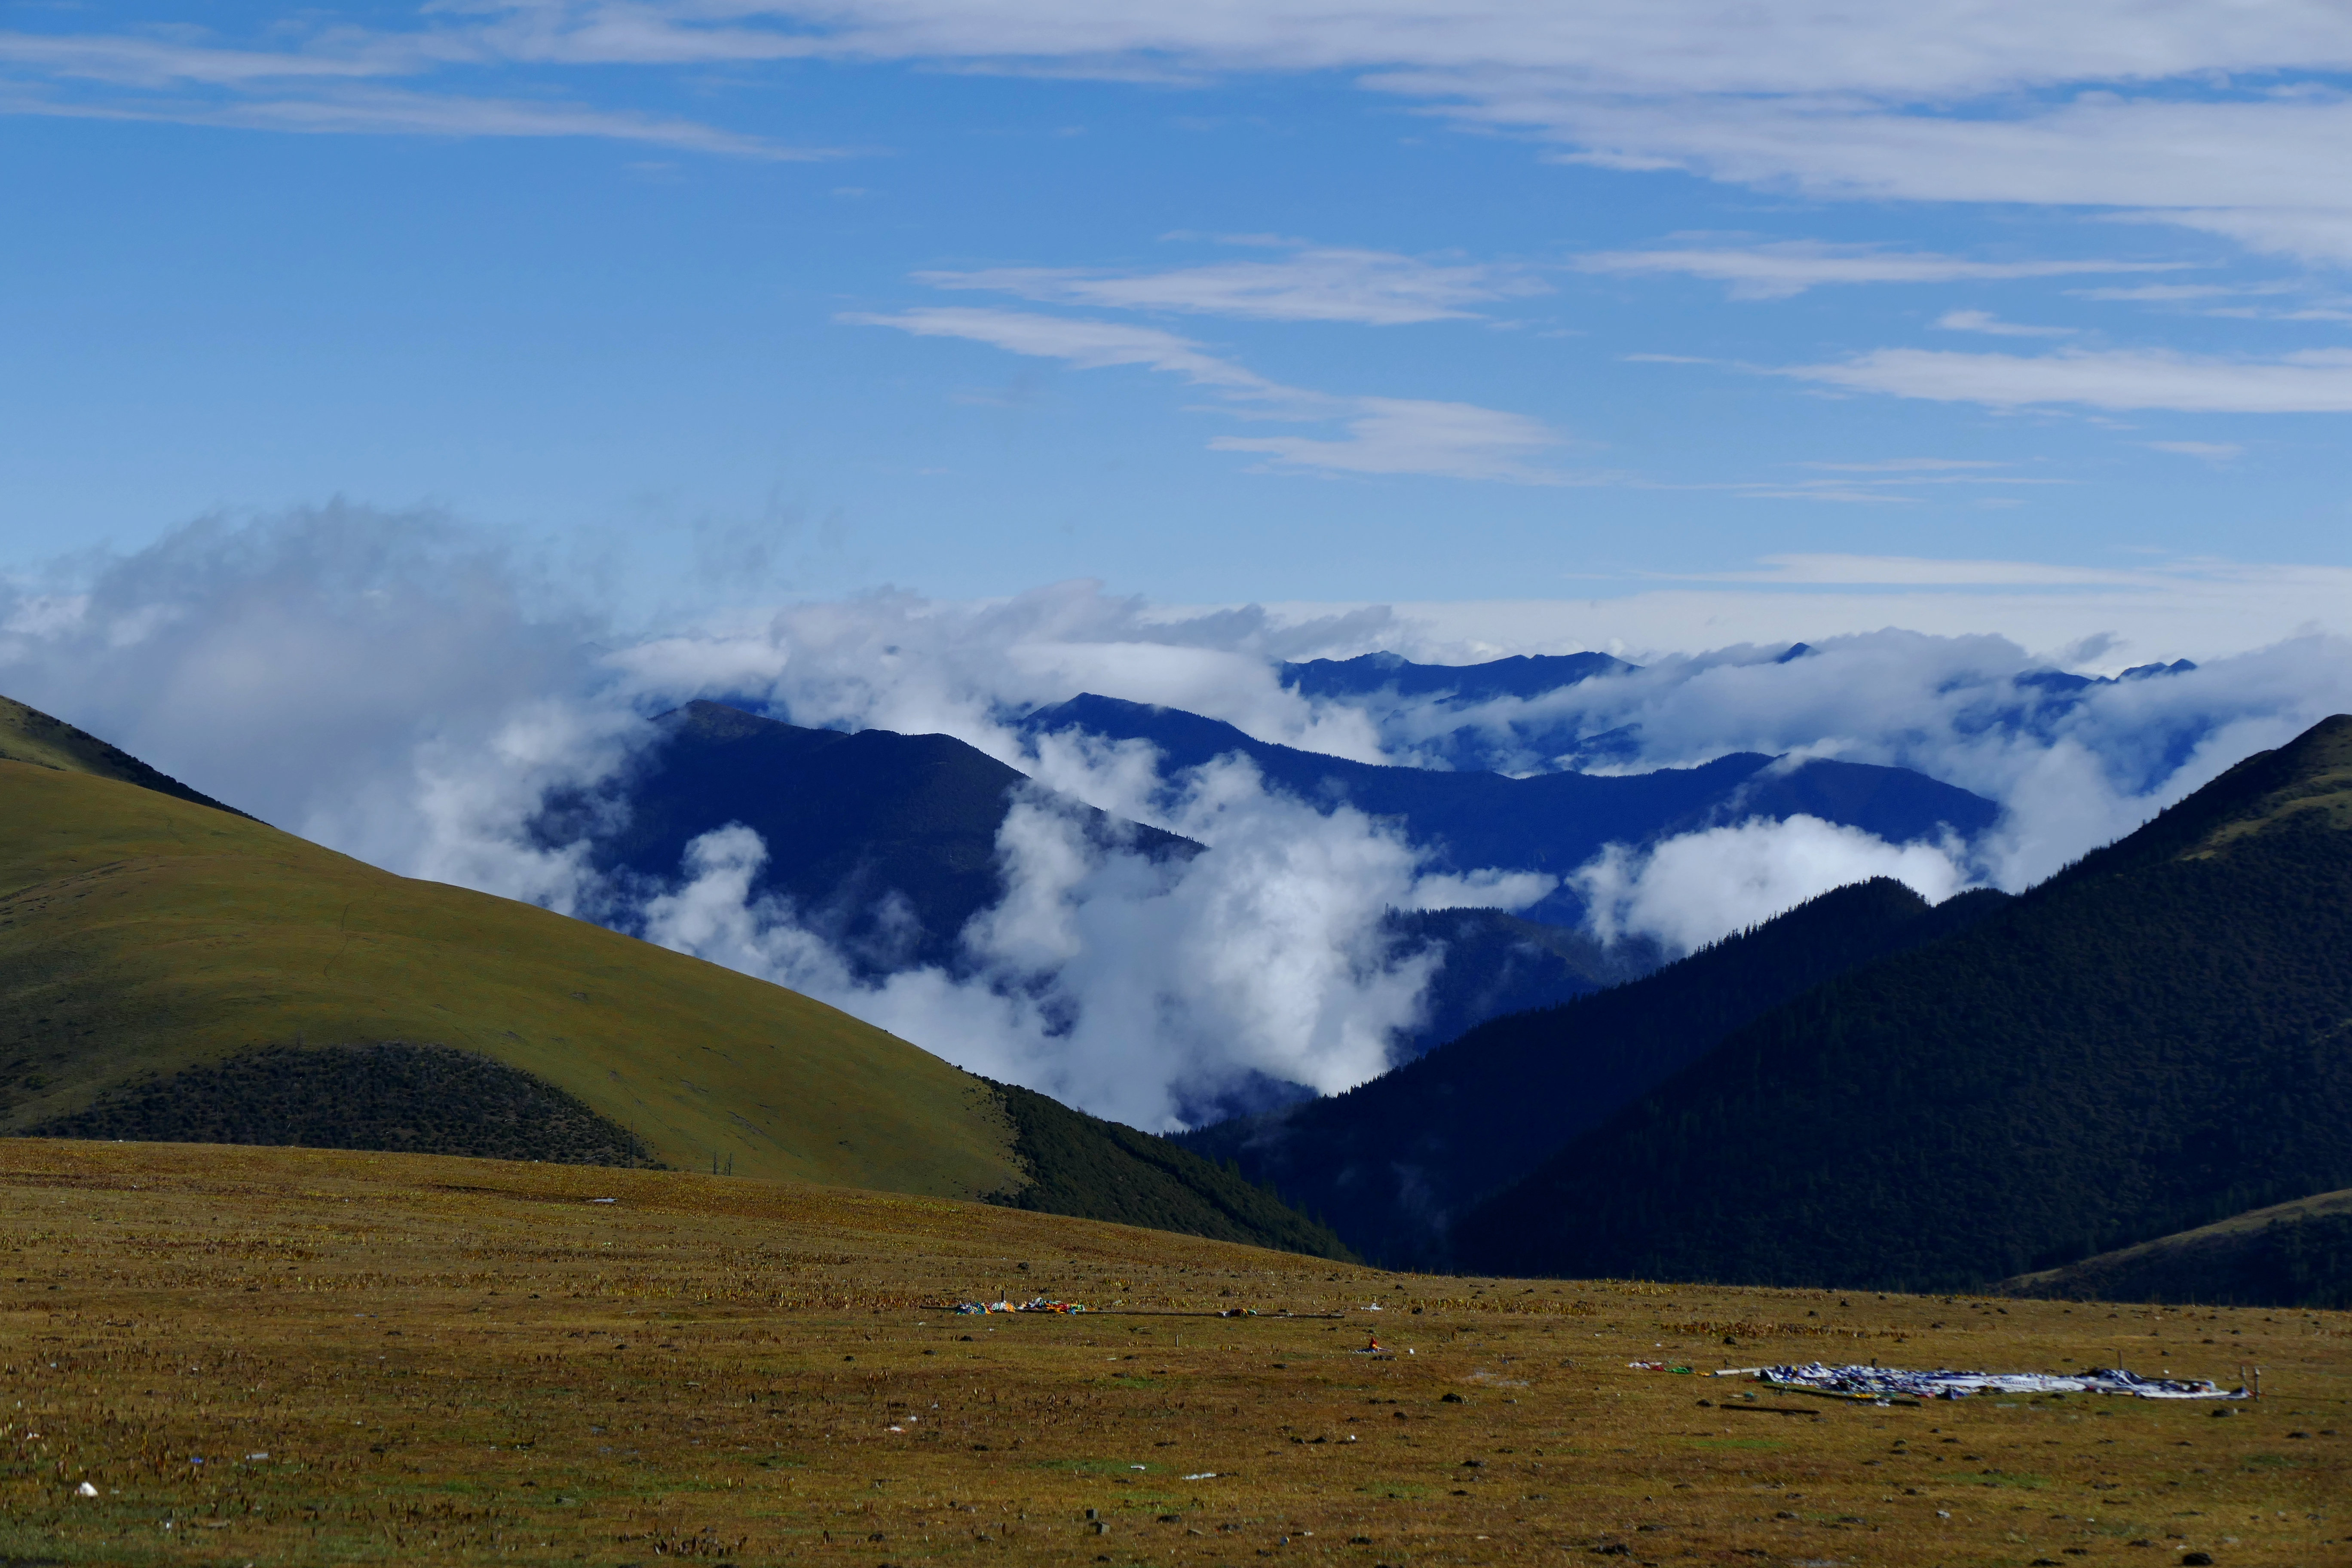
{"type": "Point", "coordinates": [407, 690]}
{"type": "Point", "coordinates": [1149, 991]}
{"type": "Point", "coordinates": [1695, 888]}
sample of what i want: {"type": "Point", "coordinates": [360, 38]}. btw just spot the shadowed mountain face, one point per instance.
{"type": "Point", "coordinates": [1551, 822]}
{"type": "Point", "coordinates": [414, 1100]}
{"type": "Point", "coordinates": [2152, 1040]}
{"type": "Point", "coordinates": [1391, 1163]}
{"type": "Point", "coordinates": [1495, 962]}
{"type": "Point", "coordinates": [885, 843]}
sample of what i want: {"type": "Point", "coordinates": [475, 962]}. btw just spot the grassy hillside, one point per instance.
{"type": "Point", "coordinates": [2289, 1254]}
{"type": "Point", "coordinates": [144, 935]}
{"type": "Point", "coordinates": [2157, 1038]}
{"type": "Point", "coordinates": [29, 735]}
{"type": "Point", "coordinates": [1392, 1163]}
{"type": "Point", "coordinates": [171, 971]}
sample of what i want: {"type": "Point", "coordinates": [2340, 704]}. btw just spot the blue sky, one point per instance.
{"type": "Point", "coordinates": [723, 300]}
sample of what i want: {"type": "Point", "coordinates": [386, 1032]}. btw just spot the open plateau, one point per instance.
{"type": "Point", "coordinates": [304, 1356]}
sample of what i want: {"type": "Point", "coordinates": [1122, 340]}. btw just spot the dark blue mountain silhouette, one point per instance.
{"type": "Point", "coordinates": [886, 844]}
{"type": "Point", "coordinates": [1371, 674]}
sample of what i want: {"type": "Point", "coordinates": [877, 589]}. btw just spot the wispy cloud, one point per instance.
{"type": "Point", "coordinates": [1993, 326]}
{"type": "Point", "coordinates": [1382, 435]}
{"type": "Point", "coordinates": [1946, 101]}
{"type": "Point", "coordinates": [346, 82]}
{"type": "Point", "coordinates": [1314, 284]}
{"type": "Point", "coordinates": [1411, 436]}
{"type": "Point", "coordinates": [1088, 344]}
{"type": "Point", "coordinates": [2210, 451]}
{"type": "Point", "coordinates": [1776, 271]}
{"type": "Point", "coordinates": [1823, 570]}
{"type": "Point", "coordinates": [2316, 381]}
{"type": "Point", "coordinates": [377, 111]}
{"type": "Point", "coordinates": [1906, 466]}
{"type": "Point", "coordinates": [1884, 482]}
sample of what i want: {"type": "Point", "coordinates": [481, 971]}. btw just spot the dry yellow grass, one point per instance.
{"type": "Point", "coordinates": [402, 1359]}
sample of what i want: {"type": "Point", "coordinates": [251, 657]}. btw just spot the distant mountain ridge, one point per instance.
{"type": "Point", "coordinates": [1521, 733]}
{"type": "Point", "coordinates": [886, 845]}
{"type": "Point", "coordinates": [1521, 676]}
{"type": "Point", "coordinates": [1551, 823]}
{"type": "Point", "coordinates": [2155, 1039]}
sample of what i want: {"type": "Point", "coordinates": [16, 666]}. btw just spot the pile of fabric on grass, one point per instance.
{"type": "Point", "coordinates": [1042, 1305]}
{"type": "Point", "coordinates": [1892, 1383]}
{"type": "Point", "coordinates": [976, 1308]}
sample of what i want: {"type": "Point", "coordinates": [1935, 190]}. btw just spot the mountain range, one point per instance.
{"type": "Point", "coordinates": [2135, 1078]}
{"type": "Point", "coordinates": [1528, 715]}
{"type": "Point", "coordinates": [1555, 822]}
{"type": "Point", "coordinates": [886, 844]}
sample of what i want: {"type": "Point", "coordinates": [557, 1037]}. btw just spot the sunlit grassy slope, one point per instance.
{"type": "Point", "coordinates": [2294, 1254]}
{"type": "Point", "coordinates": [29, 735]}
{"type": "Point", "coordinates": [144, 934]}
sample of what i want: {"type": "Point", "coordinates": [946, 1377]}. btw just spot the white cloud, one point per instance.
{"type": "Point", "coordinates": [132, 60]}
{"type": "Point", "coordinates": [2159, 610]}
{"type": "Point", "coordinates": [1313, 284]}
{"type": "Point", "coordinates": [2267, 171]}
{"type": "Point", "coordinates": [1906, 466]}
{"type": "Point", "coordinates": [2226, 119]}
{"type": "Point", "coordinates": [1780, 271]}
{"type": "Point", "coordinates": [1943, 49]}
{"type": "Point", "coordinates": [1131, 988]}
{"type": "Point", "coordinates": [2211, 451]}
{"type": "Point", "coordinates": [1985, 322]}
{"type": "Point", "coordinates": [1088, 344]}
{"type": "Point", "coordinates": [2178, 293]}
{"type": "Point", "coordinates": [1384, 434]}
{"type": "Point", "coordinates": [1407, 436]}
{"type": "Point", "coordinates": [1702, 886]}
{"type": "Point", "coordinates": [2313, 380]}
{"type": "Point", "coordinates": [404, 689]}
{"type": "Point", "coordinates": [1881, 483]}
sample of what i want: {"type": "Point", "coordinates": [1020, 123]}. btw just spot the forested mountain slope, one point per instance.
{"type": "Point", "coordinates": [1392, 1163]}
{"type": "Point", "coordinates": [2155, 1039]}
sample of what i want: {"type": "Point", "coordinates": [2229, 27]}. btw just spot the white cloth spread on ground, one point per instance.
{"type": "Point", "coordinates": [1888, 1381]}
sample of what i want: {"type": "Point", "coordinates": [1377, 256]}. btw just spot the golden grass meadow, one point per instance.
{"type": "Point", "coordinates": [293, 1356]}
